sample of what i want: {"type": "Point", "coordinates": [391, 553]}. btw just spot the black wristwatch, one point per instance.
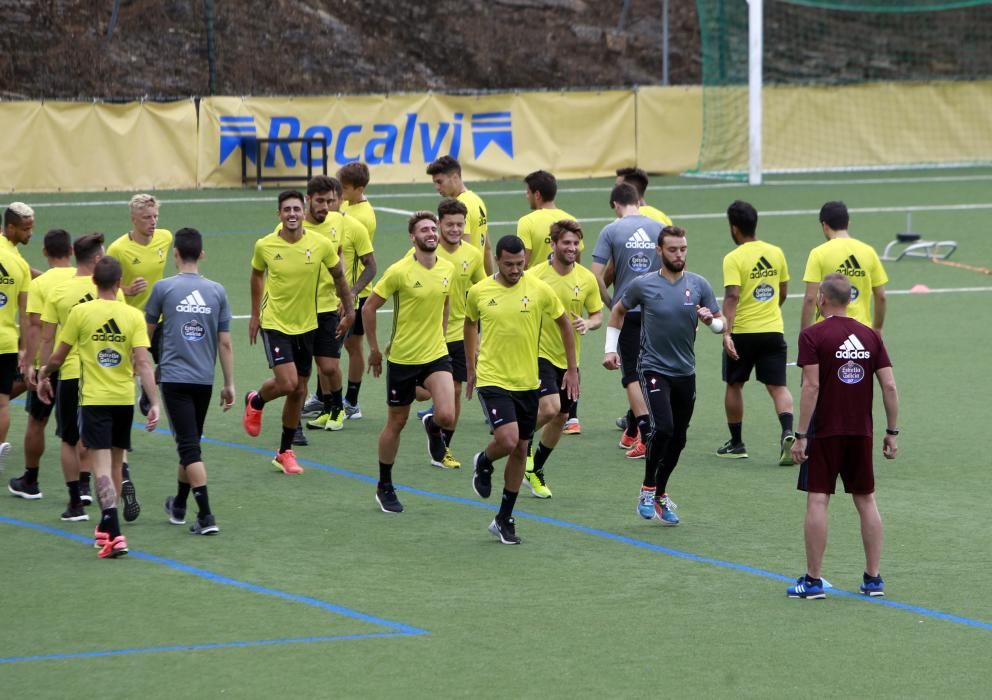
{"type": "Point", "coordinates": [889, 431]}
{"type": "Point", "coordinates": [800, 436]}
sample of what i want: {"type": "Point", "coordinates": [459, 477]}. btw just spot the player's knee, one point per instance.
{"type": "Point", "coordinates": [445, 418]}
{"type": "Point", "coordinates": [189, 452]}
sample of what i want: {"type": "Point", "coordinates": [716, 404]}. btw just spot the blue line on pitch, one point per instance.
{"type": "Point", "coordinates": [228, 581]}
{"type": "Point", "coordinates": [197, 647]}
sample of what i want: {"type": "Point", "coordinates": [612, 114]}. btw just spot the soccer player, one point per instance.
{"type": "Point", "coordinates": [285, 275]}
{"type": "Point", "coordinates": [354, 179]}
{"type": "Point", "coordinates": [578, 291]}
{"type": "Point", "coordinates": [419, 285]}
{"type": "Point", "coordinates": [511, 307]}
{"type": "Point", "coordinates": [756, 284]}
{"type": "Point", "coordinates": [534, 229]}
{"type": "Point", "coordinates": [15, 276]}
{"type": "Point", "coordinates": [112, 343]}
{"type": "Point", "coordinates": [628, 246]}
{"type": "Point", "coordinates": [672, 301]}
{"type": "Point", "coordinates": [446, 174]}
{"type": "Point", "coordinates": [839, 356]}
{"type": "Point", "coordinates": [852, 258]}
{"type": "Point", "coordinates": [351, 238]}
{"type": "Point", "coordinates": [196, 327]}
{"type": "Point", "coordinates": [639, 179]}
{"type": "Point", "coordinates": [57, 249]}
{"type": "Point", "coordinates": [75, 459]}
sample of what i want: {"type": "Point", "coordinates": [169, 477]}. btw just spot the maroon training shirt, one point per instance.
{"type": "Point", "coordinates": [848, 353]}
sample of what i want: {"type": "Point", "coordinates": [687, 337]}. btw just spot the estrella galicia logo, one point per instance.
{"type": "Point", "coordinates": [850, 372]}
{"type": "Point", "coordinates": [3, 300]}
{"type": "Point", "coordinates": [108, 357]}
{"type": "Point", "coordinates": [413, 140]}
{"type": "Point", "coordinates": [639, 262]}
{"type": "Point", "coordinates": [763, 292]}
{"type": "Point", "coordinates": [194, 331]}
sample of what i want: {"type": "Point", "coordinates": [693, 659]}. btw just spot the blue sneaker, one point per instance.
{"type": "Point", "coordinates": [807, 588]}
{"type": "Point", "coordinates": [429, 411]}
{"type": "Point", "coordinates": [645, 504]}
{"type": "Point", "coordinates": [872, 586]}
{"type": "Point", "coordinates": [664, 509]}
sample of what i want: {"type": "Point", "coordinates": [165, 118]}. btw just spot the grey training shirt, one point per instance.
{"type": "Point", "coordinates": [632, 243]}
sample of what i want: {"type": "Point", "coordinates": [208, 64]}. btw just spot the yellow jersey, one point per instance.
{"type": "Point", "coordinates": [76, 290]}
{"type": "Point", "coordinates": [327, 292]}
{"type": "Point", "coordinates": [292, 274]}
{"type": "Point", "coordinates": [42, 285]}
{"type": "Point", "coordinates": [477, 222]}
{"type": "Point", "coordinates": [418, 295]}
{"type": "Point", "coordinates": [534, 230]}
{"type": "Point", "coordinates": [357, 243]}
{"type": "Point", "coordinates": [15, 278]}
{"type": "Point", "coordinates": [139, 260]}
{"type": "Point", "coordinates": [512, 322]}
{"type": "Point", "coordinates": [656, 214]}
{"type": "Point", "coordinates": [758, 268]}
{"type": "Point", "coordinates": [467, 263]}
{"type": "Point", "coordinates": [364, 212]}
{"type": "Point", "coordinates": [577, 290]}
{"type": "Point", "coordinates": [105, 333]}
{"type": "Point", "coordinates": [859, 262]}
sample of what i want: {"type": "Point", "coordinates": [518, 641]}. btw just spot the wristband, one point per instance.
{"type": "Point", "coordinates": [716, 325]}
{"type": "Point", "coordinates": [800, 436]}
{"type": "Point", "coordinates": [612, 338]}
{"type": "Point", "coordinates": [892, 432]}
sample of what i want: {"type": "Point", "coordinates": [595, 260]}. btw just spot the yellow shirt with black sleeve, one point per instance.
{"type": "Point", "coordinates": [15, 278]}
{"type": "Point", "coordinates": [139, 260]}
{"type": "Point", "coordinates": [513, 319]}
{"type": "Point", "coordinates": [364, 212]}
{"type": "Point", "coordinates": [758, 268]}
{"type": "Point", "coordinates": [76, 290]}
{"type": "Point", "coordinates": [656, 214]}
{"type": "Point", "coordinates": [41, 287]}
{"type": "Point", "coordinates": [858, 262]}
{"type": "Point", "coordinates": [292, 274]}
{"type": "Point", "coordinates": [477, 221]}
{"type": "Point", "coordinates": [467, 263]}
{"type": "Point", "coordinates": [578, 290]}
{"type": "Point", "coordinates": [356, 244]}
{"type": "Point", "coordinates": [534, 230]}
{"type": "Point", "coordinates": [418, 296]}
{"type": "Point", "coordinates": [104, 333]}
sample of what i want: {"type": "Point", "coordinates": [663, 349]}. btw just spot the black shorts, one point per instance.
{"type": "Point", "coordinates": [325, 341]}
{"type": "Point", "coordinates": [187, 406]}
{"type": "Point", "coordinates": [847, 455]}
{"type": "Point", "coordinates": [629, 347]}
{"type": "Point", "coordinates": [67, 411]}
{"type": "Point", "coordinates": [105, 427]}
{"type": "Point", "coordinates": [281, 348]}
{"type": "Point", "coordinates": [9, 372]}
{"type": "Point", "coordinates": [402, 380]}
{"type": "Point", "coordinates": [358, 327]}
{"type": "Point", "coordinates": [38, 409]}
{"type": "Point", "coordinates": [503, 407]}
{"type": "Point", "coordinates": [765, 352]}
{"type": "Point", "coordinates": [459, 367]}
{"type": "Point", "coordinates": [551, 377]}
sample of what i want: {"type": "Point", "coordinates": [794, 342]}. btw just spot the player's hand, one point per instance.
{"type": "Point", "coordinates": [253, 325]}
{"type": "Point", "coordinates": [469, 385]}
{"type": "Point", "coordinates": [570, 383]}
{"type": "Point", "coordinates": [30, 375]}
{"type": "Point", "coordinates": [227, 397]}
{"type": "Point", "coordinates": [611, 360]}
{"type": "Point", "coordinates": [728, 345]}
{"type": "Point", "coordinates": [137, 286]}
{"type": "Point", "coordinates": [152, 418]}
{"type": "Point", "coordinates": [705, 315]}
{"type": "Point", "coordinates": [889, 447]}
{"type": "Point", "coordinates": [580, 324]}
{"type": "Point", "coordinates": [45, 392]}
{"type": "Point", "coordinates": [345, 323]}
{"type": "Point", "coordinates": [799, 450]}
{"type": "Point", "coordinates": [375, 363]}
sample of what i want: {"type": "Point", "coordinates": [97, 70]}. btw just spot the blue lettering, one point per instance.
{"type": "Point", "coordinates": [387, 144]}
{"type": "Point", "coordinates": [293, 124]}
{"type": "Point", "coordinates": [432, 149]}
{"type": "Point", "coordinates": [343, 134]}
{"type": "Point", "coordinates": [317, 151]}
{"type": "Point", "coordinates": [411, 120]}
{"type": "Point", "coordinates": [456, 139]}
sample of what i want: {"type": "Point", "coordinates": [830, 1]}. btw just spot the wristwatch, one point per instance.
{"type": "Point", "coordinates": [800, 436]}
{"type": "Point", "coordinates": [890, 431]}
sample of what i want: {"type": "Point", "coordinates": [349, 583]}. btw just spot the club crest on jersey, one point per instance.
{"type": "Point", "coordinates": [523, 303]}
{"type": "Point", "coordinates": [309, 260]}
{"type": "Point", "coordinates": [576, 290]}
{"type": "Point", "coordinates": [464, 265]}
{"type": "Point", "coordinates": [688, 298]}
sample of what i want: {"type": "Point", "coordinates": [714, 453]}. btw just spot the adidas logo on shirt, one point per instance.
{"type": "Point", "coordinates": [194, 303]}
{"type": "Point", "coordinates": [763, 269]}
{"type": "Point", "coordinates": [5, 277]}
{"type": "Point", "coordinates": [417, 285]}
{"type": "Point", "coordinates": [492, 302]}
{"type": "Point", "coordinates": [83, 300]}
{"type": "Point", "coordinates": [639, 239]}
{"type": "Point", "coordinates": [136, 261]}
{"type": "Point", "coordinates": [851, 268]}
{"type": "Point", "coordinates": [277, 257]}
{"type": "Point", "coordinates": [852, 349]}
{"type": "Point", "coordinates": [110, 332]}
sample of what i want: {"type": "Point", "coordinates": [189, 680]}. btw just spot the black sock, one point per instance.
{"type": "Point", "coordinates": [319, 393]}
{"type": "Point", "coordinates": [73, 492]}
{"type": "Point", "coordinates": [631, 429]}
{"type": "Point", "coordinates": [385, 474]}
{"type": "Point", "coordinates": [352, 395]}
{"type": "Point", "coordinates": [182, 491]}
{"type": "Point", "coordinates": [506, 505]}
{"type": "Point", "coordinates": [541, 455]}
{"type": "Point", "coordinates": [448, 435]}
{"type": "Point", "coordinates": [84, 478]}
{"type": "Point", "coordinates": [31, 475]}
{"type": "Point", "coordinates": [257, 402]}
{"type": "Point", "coordinates": [432, 428]}
{"type": "Point", "coordinates": [336, 400]}
{"type": "Point", "coordinates": [109, 522]}
{"type": "Point", "coordinates": [286, 441]}
{"type": "Point", "coordinates": [484, 460]}
{"type": "Point", "coordinates": [644, 427]}
{"type": "Point", "coordinates": [573, 410]}
{"type": "Point", "coordinates": [871, 579]}
{"type": "Point", "coordinates": [202, 501]}
{"type": "Point", "coordinates": [810, 580]}
{"type": "Point", "coordinates": [736, 429]}
{"type": "Point", "coordinates": [785, 419]}
{"type": "Point", "coordinates": [126, 471]}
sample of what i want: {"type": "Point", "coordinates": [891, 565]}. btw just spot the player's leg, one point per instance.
{"type": "Point", "coordinates": [356, 364]}
{"type": "Point", "coordinates": [770, 369]}
{"type": "Point", "coordinates": [501, 413]}
{"type": "Point", "coordinates": [401, 388]}
{"type": "Point", "coordinates": [858, 474]}
{"type": "Point", "coordinates": [27, 485]}
{"type": "Point", "coordinates": [327, 353]}
{"type": "Point", "coordinates": [441, 386]}
{"type": "Point", "coordinates": [817, 477]}
{"type": "Point", "coordinates": [656, 393]}
{"type": "Point", "coordinates": [96, 432]}
{"type": "Point", "coordinates": [526, 407]}
{"type": "Point", "coordinates": [629, 348]}
{"type": "Point", "coordinates": [549, 409]}
{"type": "Point", "coordinates": [815, 532]}
{"type": "Point", "coordinates": [736, 373]}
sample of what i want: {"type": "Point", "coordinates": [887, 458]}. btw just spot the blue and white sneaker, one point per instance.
{"type": "Point", "coordinates": [645, 504]}
{"type": "Point", "coordinates": [664, 508]}
{"type": "Point", "coordinates": [806, 588]}
{"type": "Point", "coordinates": [429, 411]}
{"type": "Point", "coordinates": [872, 586]}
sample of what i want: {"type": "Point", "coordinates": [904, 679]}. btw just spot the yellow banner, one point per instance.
{"type": "Point", "coordinates": [669, 128]}
{"type": "Point", "coordinates": [507, 135]}
{"type": "Point", "coordinates": [75, 146]}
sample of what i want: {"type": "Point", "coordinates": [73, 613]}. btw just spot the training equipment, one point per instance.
{"type": "Point", "coordinates": [4, 451]}
{"type": "Point", "coordinates": [538, 486]}
{"type": "Point", "coordinates": [664, 510]}
{"type": "Point", "coordinates": [252, 418]}
{"type": "Point", "coordinates": [113, 548]}
{"type": "Point", "coordinates": [313, 407]}
{"type": "Point", "coordinates": [177, 516]}
{"type": "Point", "coordinates": [716, 325]}
{"type": "Point", "coordinates": [873, 587]}
{"type": "Point", "coordinates": [638, 451]}
{"type": "Point", "coordinates": [205, 526]}
{"type": "Point", "coordinates": [806, 589]}
{"type": "Point", "coordinates": [448, 462]}
{"type": "Point", "coordinates": [24, 489]}
{"type": "Point", "coordinates": [627, 441]}
{"type": "Point", "coordinates": [75, 512]}
{"type": "Point", "coordinates": [385, 496]}
{"type": "Point", "coordinates": [482, 477]}
{"type": "Point", "coordinates": [286, 462]}
{"type": "Point", "coordinates": [732, 451]}
{"type": "Point", "coordinates": [505, 530]}
{"type": "Point", "coordinates": [785, 456]}
{"type": "Point", "coordinates": [352, 412]}
{"type": "Point", "coordinates": [572, 427]}
{"type": "Point", "coordinates": [645, 504]}
{"type": "Point", "coordinates": [132, 509]}
{"type": "Point", "coordinates": [435, 443]}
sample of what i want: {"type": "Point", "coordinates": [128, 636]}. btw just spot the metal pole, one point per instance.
{"type": "Point", "coordinates": [664, 42]}
{"type": "Point", "coordinates": [115, 13]}
{"type": "Point", "coordinates": [622, 23]}
{"type": "Point", "coordinates": [755, 45]}
{"type": "Point", "coordinates": [208, 11]}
